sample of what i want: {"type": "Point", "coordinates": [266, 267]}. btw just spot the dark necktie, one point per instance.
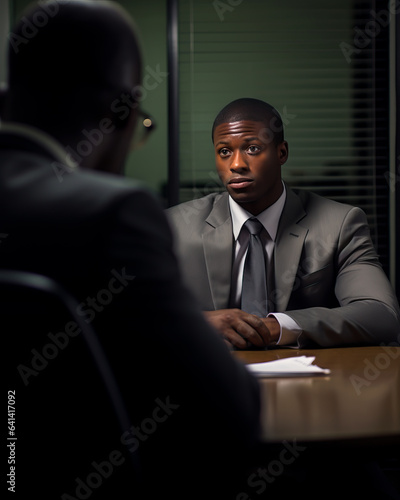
{"type": "Point", "coordinates": [254, 288]}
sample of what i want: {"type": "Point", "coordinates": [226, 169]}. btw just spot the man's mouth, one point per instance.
{"type": "Point", "coordinates": [240, 182]}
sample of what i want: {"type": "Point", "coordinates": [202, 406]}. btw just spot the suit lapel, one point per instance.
{"type": "Point", "coordinates": [218, 248]}
{"type": "Point", "coordinates": [289, 244]}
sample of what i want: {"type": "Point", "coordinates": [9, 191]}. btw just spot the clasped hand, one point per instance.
{"type": "Point", "coordinates": [244, 330]}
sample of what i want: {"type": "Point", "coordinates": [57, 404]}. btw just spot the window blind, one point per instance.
{"type": "Point", "coordinates": [323, 65]}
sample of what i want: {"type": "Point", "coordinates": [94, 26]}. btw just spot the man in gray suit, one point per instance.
{"type": "Point", "coordinates": [325, 285]}
{"type": "Point", "coordinates": [107, 241]}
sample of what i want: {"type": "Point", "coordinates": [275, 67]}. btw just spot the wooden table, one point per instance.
{"type": "Point", "coordinates": [359, 401]}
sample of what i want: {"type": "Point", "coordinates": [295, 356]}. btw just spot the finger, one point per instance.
{"type": "Point", "coordinates": [253, 329]}
{"type": "Point", "coordinates": [261, 328]}
{"type": "Point", "coordinates": [249, 334]}
{"type": "Point", "coordinates": [235, 339]}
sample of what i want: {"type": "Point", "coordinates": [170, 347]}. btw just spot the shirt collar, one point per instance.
{"type": "Point", "coordinates": [45, 141]}
{"type": "Point", "coordinates": [269, 218]}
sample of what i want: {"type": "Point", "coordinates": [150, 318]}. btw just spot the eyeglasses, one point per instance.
{"type": "Point", "coordinates": [144, 127]}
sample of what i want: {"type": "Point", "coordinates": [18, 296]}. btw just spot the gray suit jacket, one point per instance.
{"type": "Point", "coordinates": [327, 276]}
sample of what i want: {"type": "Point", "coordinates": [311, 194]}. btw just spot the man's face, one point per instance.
{"type": "Point", "coordinates": [249, 163]}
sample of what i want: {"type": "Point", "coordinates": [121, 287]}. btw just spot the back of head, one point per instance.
{"type": "Point", "coordinates": [70, 59]}
{"type": "Point", "coordinates": [249, 109]}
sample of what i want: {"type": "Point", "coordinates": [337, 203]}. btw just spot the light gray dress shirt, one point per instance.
{"type": "Point", "coordinates": [269, 218]}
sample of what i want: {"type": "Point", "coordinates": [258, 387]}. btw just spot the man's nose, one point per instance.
{"type": "Point", "coordinates": [238, 161]}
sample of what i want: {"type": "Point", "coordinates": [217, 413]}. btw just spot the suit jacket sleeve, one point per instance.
{"type": "Point", "coordinates": [170, 349]}
{"type": "Point", "coordinates": [368, 311]}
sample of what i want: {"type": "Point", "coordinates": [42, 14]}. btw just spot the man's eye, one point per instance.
{"type": "Point", "coordinates": [224, 152]}
{"type": "Point", "coordinates": [253, 149]}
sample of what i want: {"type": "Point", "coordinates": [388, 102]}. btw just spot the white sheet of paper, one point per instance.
{"type": "Point", "coordinates": [298, 366]}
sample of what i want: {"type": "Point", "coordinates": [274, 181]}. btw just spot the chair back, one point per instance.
{"type": "Point", "coordinates": [66, 414]}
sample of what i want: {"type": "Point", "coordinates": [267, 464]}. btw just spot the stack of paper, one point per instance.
{"type": "Point", "coordinates": [298, 366]}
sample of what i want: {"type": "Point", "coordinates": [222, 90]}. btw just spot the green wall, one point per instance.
{"type": "Point", "coordinates": [150, 164]}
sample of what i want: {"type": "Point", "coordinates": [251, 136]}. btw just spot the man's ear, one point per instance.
{"type": "Point", "coordinates": [283, 152]}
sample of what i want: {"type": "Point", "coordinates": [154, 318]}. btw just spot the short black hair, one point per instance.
{"type": "Point", "coordinates": [255, 110]}
{"type": "Point", "coordinates": [84, 56]}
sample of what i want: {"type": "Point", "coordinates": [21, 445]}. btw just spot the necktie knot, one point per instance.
{"type": "Point", "coordinates": [254, 226]}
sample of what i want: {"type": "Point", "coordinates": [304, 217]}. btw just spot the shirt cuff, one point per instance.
{"type": "Point", "coordinates": [290, 330]}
